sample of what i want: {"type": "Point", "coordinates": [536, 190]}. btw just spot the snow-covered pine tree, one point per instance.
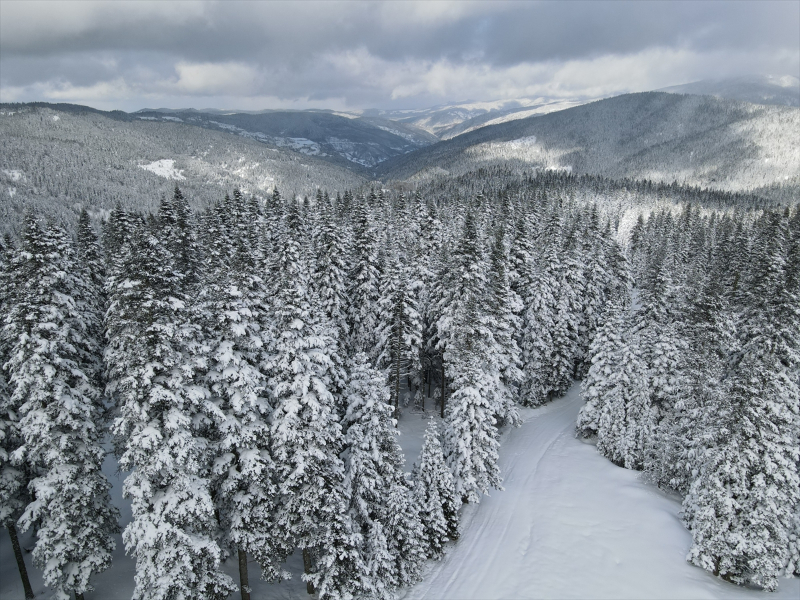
{"type": "Point", "coordinates": [503, 307]}
{"type": "Point", "coordinates": [428, 250]}
{"type": "Point", "coordinates": [364, 288]}
{"type": "Point", "coordinates": [178, 233]}
{"type": "Point", "coordinates": [598, 387]}
{"type": "Point", "coordinates": [330, 287]}
{"type": "Point", "coordinates": [381, 498]}
{"type": "Point", "coordinates": [596, 283]}
{"type": "Point", "coordinates": [306, 436]}
{"type": "Point", "coordinates": [151, 371]}
{"type": "Point", "coordinates": [741, 507]}
{"type": "Point", "coordinates": [89, 253]}
{"type": "Point", "coordinates": [675, 453]}
{"type": "Point", "coordinates": [566, 335]}
{"type": "Point", "coordinates": [399, 333]}
{"type": "Point", "coordinates": [539, 323]}
{"type": "Point", "coordinates": [436, 494]}
{"type": "Point", "coordinates": [232, 303]}
{"type": "Point", "coordinates": [14, 478]}
{"type": "Point", "coordinates": [471, 437]}
{"type": "Point", "coordinates": [331, 271]}
{"type": "Point", "coordinates": [53, 370]}
{"type": "Point", "coordinates": [620, 434]}
{"type": "Point", "coordinates": [656, 340]}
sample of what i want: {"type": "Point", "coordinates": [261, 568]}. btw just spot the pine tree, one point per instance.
{"type": "Point", "coordinates": [471, 437]}
{"type": "Point", "coordinates": [399, 336]}
{"type": "Point", "coordinates": [436, 494]}
{"type": "Point", "coordinates": [364, 289]}
{"type": "Point", "coordinates": [503, 307]}
{"type": "Point", "coordinates": [54, 380]}
{"type": "Point", "coordinates": [599, 385]}
{"type": "Point", "coordinates": [14, 477]}
{"type": "Point", "coordinates": [306, 436]}
{"type": "Point", "coordinates": [330, 288]}
{"type": "Point", "coordinates": [381, 498]}
{"type": "Point", "coordinates": [244, 492]}
{"type": "Point", "coordinates": [152, 369]}
{"type": "Point", "coordinates": [537, 341]}
{"type": "Point", "coordinates": [625, 409]}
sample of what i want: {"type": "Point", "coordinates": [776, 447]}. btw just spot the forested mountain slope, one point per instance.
{"type": "Point", "coordinates": [695, 140]}
{"type": "Point", "coordinates": [57, 161]}
{"type": "Point", "coordinates": [359, 143]}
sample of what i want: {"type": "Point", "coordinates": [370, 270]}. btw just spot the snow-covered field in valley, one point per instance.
{"type": "Point", "coordinates": [569, 524]}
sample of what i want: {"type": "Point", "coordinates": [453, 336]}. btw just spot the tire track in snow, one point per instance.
{"type": "Point", "coordinates": [522, 450]}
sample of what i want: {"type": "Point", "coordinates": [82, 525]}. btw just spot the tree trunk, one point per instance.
{"type": "Point", "coordinates": [78, 596]}
{"type": "Point", "coordinates": [430, 376]}
{"type": "Point", "coordinates": [397, 388]}
{"type": "Point", "coordinates": [307, 566]}
{"type": "Point", "coordinates": [443, 387]}
{"type": "Point", "coordinates": [23, 571]}
{"type": "Point", "coordinates": [244, 582]}
{"type": "Point", "coordinates": [397, 365]}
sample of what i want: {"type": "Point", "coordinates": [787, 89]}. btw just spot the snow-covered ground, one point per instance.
{"type": "Point", "coordinates": [164, 168]}
{"type": "Point", "coordinates": [569, 525]}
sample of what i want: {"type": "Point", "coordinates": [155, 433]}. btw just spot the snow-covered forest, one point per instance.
{"type": "Point", "coordinates": [247, 365]}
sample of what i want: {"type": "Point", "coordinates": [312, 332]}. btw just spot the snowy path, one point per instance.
{"type": "Point", "coordinates": [570, 524]}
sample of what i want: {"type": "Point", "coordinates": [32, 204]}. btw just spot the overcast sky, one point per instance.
{"type": "Point", "coordinates": [350, 55]}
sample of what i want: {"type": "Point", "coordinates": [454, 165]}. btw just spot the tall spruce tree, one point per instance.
{"type": "Point", "coordinates": [14, 476]}
{"type": "Point", "coordinates": [151, 360]}
{"type": "Point", "coordinates": [381, 500]}
{"type": "Point", "coordinates": [232, 310]}
{"type": "Point", "coordinates": [436, 494]}
{"type": "Point", "coordinates": [54, 380]}
{"type": "Point", "coordinates": [741, 507]}
{"type": "Point", "coordinates": [306, 436]}
{"type": "Point", "coordinates": [471, 437]}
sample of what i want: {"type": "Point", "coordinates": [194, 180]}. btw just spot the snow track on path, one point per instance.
{"type": "Point", "coordinates": [570, 524]}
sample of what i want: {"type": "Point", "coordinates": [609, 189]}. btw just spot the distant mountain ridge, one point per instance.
{"type": "Point", "coordinates": [697, 140]}
{"type": "Point", "coordinates": [760, 89]}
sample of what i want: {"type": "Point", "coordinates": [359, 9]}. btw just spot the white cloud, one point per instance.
{"type": "Point", "coordinates": [211, 79]}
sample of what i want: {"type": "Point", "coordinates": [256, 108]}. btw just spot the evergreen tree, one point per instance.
{"type": "Point", "coordinates": [152, 367]}
{"type": "Point", "coordinates": [503, 308]}
{"type": "Point", "coordinates": [54, 377]}
{"type": "Point", "coordinates": [306, 436]}
{"type": "Point", "coordinates": [471, 437]}
{"type": "Point", "coordinates": [244, 492]}
{"type": "Point", "coordinates": [364, 288]}
{"type": "Point", "coordinates": [399, 326]}
{"type": "Point", "coordinates": [740, 508]}
{"type": "Point", "coordinates": [381, 501]}
{"type": "Point", "coordinates": [598, 388]}
{"type": "Point", "coordinates": [436, 494]}
{"type": "Point", "coordinates": [14, 476]}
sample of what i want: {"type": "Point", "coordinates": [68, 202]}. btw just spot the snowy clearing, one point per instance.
{"type": "Point", "coordinates": [164, 168]}
{"type": "Point", "coordinates": [570, 524]}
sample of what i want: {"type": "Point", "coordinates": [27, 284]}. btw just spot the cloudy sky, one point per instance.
{"type": "Point", "coordinates": [350, 55]}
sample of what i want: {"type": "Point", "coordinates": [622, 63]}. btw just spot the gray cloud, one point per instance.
{"type": "Point", "coordinates": [354, 54]}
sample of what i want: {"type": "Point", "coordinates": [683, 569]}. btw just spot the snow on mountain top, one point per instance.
{"type": "Point", "coordinates": [164, 168]}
